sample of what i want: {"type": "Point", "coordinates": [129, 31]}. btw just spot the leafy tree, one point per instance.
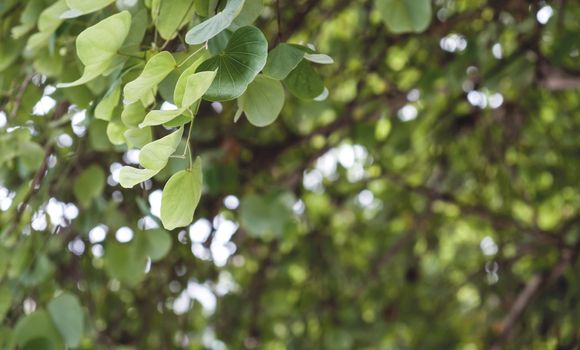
{"type": "Point", "coordinates": [211, 174]}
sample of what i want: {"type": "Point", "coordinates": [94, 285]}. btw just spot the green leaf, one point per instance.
{"type": "Point", "coordinates": [104, 109]}
{"type": "Point", "coordinates": [197, 85]}
{"type": "Point", "coordinates": [182, 80]}
{"type": "Point", "coordinates": [82, 7]}
{"type": "Point", "coordinates": [173, 15]}
{"type": "Point", "coordinates": [249, 14]}
{"type": "Point", "coordinates": [5, 300]}
{"type": "Point", "coordinates": [304, 82]}
{"type": "Point", "coordinates": [158, 117]}
{"type": "Point", "coordinates": [282, 60]}
{"type": "Point", "coordinates": [125, 262]}
{"type": "Point", "coordinates": [403, 16]}
{"type": "Point", "coordinates": [158, 243]}
{"type": "Point", "coordinates": [97, 53]}
{"type": "Point", "coordinates": [115, 132]}
{"type": "Point", "coordinates": [264, 216]}
{"type": "Point", "coordinates": [156, 69]}
{"type": "Point", "coordinates": [154, 155]}
{"type": "Point", "coordinates": [133, 114]}
{"type": "Point", "coordinates": [214, 25]}
{"type": "Point", "coordinates": [39, 344]}
{"type": "Point", "coordinates": [89, 185]}
{"type": "Point", "coordinates": [262, 101]}
{"type": "Point", "coordinates": [238, 65]}
{"type": "Point", "coordinates": [48, 21]}
{"type": "Point", "coordinates": [67, 314]}
{"type": "Point", "coordinates": [319, 58]}
{"type": "Point", "coordinates": [181, 196]}
{"type": "Point", "coordinates": [37, 325]}
{"type": "Point", "coordinates": [138, 137]}
{"type": "Point", "coordinates": [130, 176]}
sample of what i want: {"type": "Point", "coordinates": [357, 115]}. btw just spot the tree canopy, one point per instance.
{"type": "Point", "coordinates": [272, 174]}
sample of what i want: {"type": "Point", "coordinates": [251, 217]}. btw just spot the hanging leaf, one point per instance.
{"type": "Point", "coordinates": [133, 114]}
{"type": "Point", "coordinates": [67, 314]}
{"type": "Point", "coordinates": [172, 16]}
{"type": "Point", "coordinates": [181, 83]}
{"type": "Point", "coordinates": [34, 326]}
{"type": "Point", "coordinates": [115, 132]}
{"type": "Point", "coordinates": [181, 196]}
{"type": "Point", "coordinates": [282, 60]}
{"type": "Point", "coordinates": [104, 109]}
{"type": "Point", "coordinates": [237, 65]}
{"type": "Point", "coordinates": [82, 7]}
{"type": "Point", "coordinates": [319, 58]}
{"type": "Point", "coordinates": [125, 262]}
{"type": "Point", "coordinates": [262, 101]}
{"type": "Point", "coordinates": [214, 25]}
{"type": "Point", "coordinates": [138, 137]}
{"type": "Point", "coordinates": [89, 185]}
{"type": "Point", "coordinates": [249, 14]}
{"type": "Point", "coordinates": [154, 155]}
{"type": "Point", "coordinates": [158, 243]}
{"type": "Point", "coordinates": [130, 176]}
{"type": "Point", "coordinates": [403, 16]}
{"type": "Point", "coordinates": [96, 52]}
{"type": "Point", "coordinates": [304, 82]}
{"type": "Point", "coordinates": [156, 69]}
{"type": "Point", "coordinates": [264, 216]}
{"type": "Point", "coordinates": [48, 21]}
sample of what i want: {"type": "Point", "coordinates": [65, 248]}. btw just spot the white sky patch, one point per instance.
{"type": "Point", "coordinates": [64, 140]}
{"type": "Point", "coordinates": [203, 294]}
{"type": "Point", "coordinates": [44, 106]}
{"type": "Point", "coordinates": [166, 106]}
{"type": "Point", "coordinates": [115, 168]}
{"type": "Point", "coordinates": [413, 95]}
{"type": "Point", "coordinates": [182, 303]}
{"type": "Point", "coordinates": [131, 156]}
{"type": "Point", "coordinates": [497, 51]}
{"type": "Point", "coordinates": [98, 234]}
{"type": "Point", "coordinates": [407, 113]}
{"type": "Point", "coordinates": [298, 207]}
{"type": "Point", "coordinates": [124, 234]}
{"type": "Point", "coordinates": [97, 250]}
{"type": "Point", "coordinates": [231, 202]}
{"type": "Point", "coordinates": [365, 198]}
{"type": "Point", "coordinates": [200, 252]}
{"type": "Point", "coordinates": [3, 119]}
{"type": "Point", "coordinates": [155, 202]}
{"type": "Point", "coordinates": [544, 14]}
{"type": "Point", "coordinates": [217, 107]}
{"type": "Point", "coordinates": [312, 180]}
{"type": "Point", "coordinates": [495, 100]}
{"type": "Point", "coordinates": [200, 230]}
{"type": "Point", "coordinates": [76, 246]}
{"type": "Point", "coordinates": [453, 43]}
{"type": "Point", "coordinates": [6, 198]}
{"type": "Point", "coordinates": [488, 246]}
{"type": "Point", "coordinates": [78, 123]}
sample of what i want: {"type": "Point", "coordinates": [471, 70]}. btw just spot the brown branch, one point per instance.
{"type": "Point", "coordinates": [20, 95]}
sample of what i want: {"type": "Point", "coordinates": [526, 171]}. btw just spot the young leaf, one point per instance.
{"type": "Point", "coordinates": [304, 82]}
{"type": "Point", "coordinates": [82, 7]}
{"type": "Point", "coordinates": [319, 58]}
{"type": "Point", "coordinates": [138, 137]}
{"type": "Point", "coordinates": [173, 15]}
{"type": "Point", "coordinates": [98, 45]}
{"type": "Point", "coordinates": [89, 185]}
{"type": "Point", "coordinates": [262, 101]}
{"type": "Point", "coordinates": [130, 176]}
{"type": "Point", "coordinates": [158, 117]}
{"type": "Point", "coordinates": [181, 196]}
{"type": "Point", "coordinates": [133, 114]}
{"type": "Point", "coordinates": [67, 314]}
{"type": "Point", "coordinates": [403, 16]}
{"type": "Point", "coordinates": [214, 25]}
{"type": "Point", "coordinates": [115, 132]}
{"type": "Point", "coordinates": [157, 68]}
{"type": "Point", "coordinates": [154, 155]}
{"type": "Point", "coordinates": [197, 85]}
{"type": "Point", "coordinates": [104, 109]}
{"type": "Point", "coordinates": [243, 58]}
{"type": "Point", "coordinates": [282, 60]}
{"type": "Point", "coordinates": [158, 243]}
{"type": "Point", "coordinates": [182, 81]}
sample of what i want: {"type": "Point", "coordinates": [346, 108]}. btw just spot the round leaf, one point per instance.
{"type": "Point", "coordinates": [181, 196]}
{"type": "Point", "coordinates": [262, 101]}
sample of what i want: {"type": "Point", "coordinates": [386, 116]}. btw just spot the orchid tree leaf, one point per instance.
{"type": "Point", "coordinates": [133, 114]}
{"type": "Point", "coordinates": [263, 101]}
{"type": "Point", "coordinates": [181, 196]}
{"type": "Point", "coordinates": [155, 155]}
{"type": "Point", "coordinates": [97, 53]}
{"type": "Point", "coordinates": [238, 65]}
{"type": "Point", "coordinates": [404, 16]}
{"type": "Point", "coordinates": [138, 137]}
{"type": "Point", "coordinates": [214, 25]}
{"type": "Point", "coordinates": [158, 117]}
{"type": "Point", "coordinates": [67, 314]}
{"type": "Point", "coordinates": [179, 89]}
{"type": "Point", "coordinates": [319, 58]}
{"type": "Point", "coordinates": [282, 60]}
{"type": "Point", "coordinates": [156, 69]}
{"type": "Point", "coordinates": [197, 86]}
{"type": "Point", "coordinates": [173, 15]}
{"type": "Point", "coordinates": [130, 176]}
{"type": "Point", "coordinates": [105, 107]}
{"type": "Point", "coordinates": [83, 7]}
{"type": "Point", "coordinates": [304, 82]}
{"type": "Point", "coordinates": [249, 14]}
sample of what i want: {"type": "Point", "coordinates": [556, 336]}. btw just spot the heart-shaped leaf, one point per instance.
{"type": "Point", "coordinates": [155, 155]}
{"type": "Point", "coordinates": [67, 314]}
{"type": "Point", "coordinates": [97, 46]}
{"type": "Point", "coordinates": [402, 16]}
{"type": "Point", "coordinates": [304, 82]}
{"type": "Point", "coordinates": [156, 69]}
{"type": "Point", "coordinates": [181, 196]}
{"type": "Point", "coordinates": [214, 25]}
{"type": "Point", "coordinates": [262, 101]}
{"type": "Point", "coordinates": [282, 60]}
{"type": "Point", "coordinates": [237, 66]}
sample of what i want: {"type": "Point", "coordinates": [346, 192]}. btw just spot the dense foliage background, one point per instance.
{"type": "Point", "coordinates": [429, 200]}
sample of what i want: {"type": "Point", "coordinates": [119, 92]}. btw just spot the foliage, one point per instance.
{"type": "Point", "coordinates": [404, 175]}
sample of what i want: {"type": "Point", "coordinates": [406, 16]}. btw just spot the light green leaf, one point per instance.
{"type": "Point", "coordinates": [5, 300]}
{"type": "Point", "coordinates": [82, 7]}
{"type": "Point", "coordinates": [282, 60]}
{"type": "Point", "coordinates": [182, 81]}
{"type": "Point", "coordinates": [28, 18]}
{"type": "Point", "coordinates": [154, 155]}
{"type": "Point", "coordinates": [173, 15]}
{"type": "Point", "coordinates": [115, 132]}
{"type": "Point", "coordinates": [104, 109]}
{"type": "Point", "coordinates": [130, 176]}
{"type": "Point", "coordinates": [158, 117]}
{"type": "Point", "coordinates": [264, 216]}
{"type": "Point", "coordinates": [133, 114]}
{"type": "Point", "coordinates": [249, 14]}
{"type": "Point", "coordinates": [97, 46]}
{"type": "Point", "coordinates": [158, 243]}
{"type": "Point", "coordinates": [125, 262]}
{"type": "Point", "coordinates": [156, 69]}
{"type": "Point", "coordinates": [48, 21]}
{"type": "Point", "coordinates": [238, 65]}
{"type": "Point", "coordinates": [89, 185]}
{"type": "Point", "coordinates": [403, 16]}
{"type": "Point", "coordinates": [37, 325]}
{"type": "Point", "coordinates": [262, 101]}
{"type": "Point", "coordinates": [304, 82]}
{"type": "Point", "coordinates": [138, 137]}
{"type": "Point", "coordinates": [197, 86]}
{"type": "Point", "coordinates": [67, 314]}
{"type": "Point", "coordinates": [181, 196]}
{"type": "Point", "coordinates": [214, 25]}
{"type": "Point", "coordinates": [319, 58]}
